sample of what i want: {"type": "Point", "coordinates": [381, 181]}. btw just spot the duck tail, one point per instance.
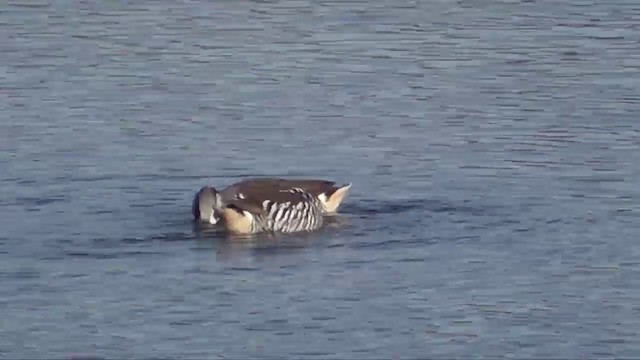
{"type": "Point", "coordinates": [334, 200]}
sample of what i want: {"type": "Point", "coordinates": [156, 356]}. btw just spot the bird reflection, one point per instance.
{"type": "Point", "coordinates": [230, 246]}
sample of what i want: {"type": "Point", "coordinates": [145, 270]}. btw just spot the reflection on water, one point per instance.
{"type": "Point", "coordinates": [229, 245]}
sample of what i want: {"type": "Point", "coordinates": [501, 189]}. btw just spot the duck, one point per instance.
{"type": "Point", "coordinates": [269, 204]}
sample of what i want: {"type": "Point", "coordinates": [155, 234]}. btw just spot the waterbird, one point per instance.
{"type": "Point", "coordinates": [269, 204]}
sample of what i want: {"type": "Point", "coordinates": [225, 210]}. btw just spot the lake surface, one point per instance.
{"type": "Point", "coordinates": [493, 147]}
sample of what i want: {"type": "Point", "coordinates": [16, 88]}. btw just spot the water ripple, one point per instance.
{"type": "Point", "coordinates": [493, 148]}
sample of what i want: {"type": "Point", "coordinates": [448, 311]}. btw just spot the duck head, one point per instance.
{"type": "Point", "coordinates": [207, 204]}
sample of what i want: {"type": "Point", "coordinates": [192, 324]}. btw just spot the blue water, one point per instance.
{"type": "Point", "coordinates": [493, 148]}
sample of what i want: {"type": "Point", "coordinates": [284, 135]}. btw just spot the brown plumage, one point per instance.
{"type": "Point", "coordinates": [254, 194]}
{"type": "Point", "coordinates": [265, 188]}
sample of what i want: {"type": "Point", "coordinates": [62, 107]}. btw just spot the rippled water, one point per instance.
{"type": "Point", "coordinates": [493, 147]}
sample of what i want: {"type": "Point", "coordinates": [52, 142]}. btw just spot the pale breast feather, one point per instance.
{"type": "Point", "coordinates": [289, 218]}
{"type": "Point", "coordinates": [290, 214]}
{"type": "Point", "coordinates": [280, 213]}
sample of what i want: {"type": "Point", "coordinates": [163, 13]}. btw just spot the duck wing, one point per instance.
{"type": "Point", "coordinates": [273, 185]}
{"type": "Point", "coordinates": [258, 200]}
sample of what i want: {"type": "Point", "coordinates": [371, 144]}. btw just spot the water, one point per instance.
{"type": "Point", "coordinates": [493, 147]}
